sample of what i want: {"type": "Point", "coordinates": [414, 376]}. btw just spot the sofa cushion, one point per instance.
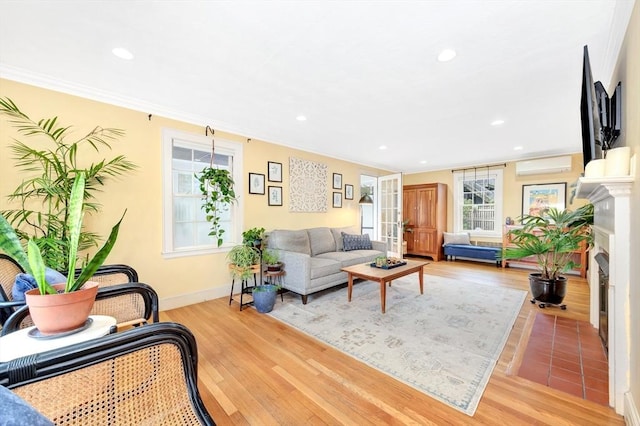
{"type": "Point", "coordinates": [356, 242]}
{"type": "Point", "coordinates": [346, 258]}
{"type": "Point", "coordinates": [456, 238]}
{"type": "Point", "coordinates": [337, 234]}
{"type": "Point", "coordinates": [284, 239]}
{"type": "Point", "coordinates": [321, 267]}
{"type": "Point", "coordinates": [321, 241]}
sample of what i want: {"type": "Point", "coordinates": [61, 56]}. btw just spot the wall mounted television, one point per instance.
{"type": "Point", "coordinates": [601, 116]}
{"type": "Point", "coordinates": [589, 114]}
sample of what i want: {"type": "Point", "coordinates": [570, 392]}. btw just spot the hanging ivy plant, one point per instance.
{"type": "Point", "coordinates": [216, 186]}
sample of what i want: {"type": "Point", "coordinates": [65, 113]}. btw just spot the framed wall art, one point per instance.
{"type": "Point", "coordinates": [275, 195]}
{"type": "Point", "coordinates": [256, 183]}
{"type": "Point", "coordinates": [274, 171]}
{"type": "Point", "coordinates": [537, 198]}
{"type": "Point", "coordinates": [337, 199]}
{"type": "Point", "coordinates": [348, 192]}
{"type": "Point", "coordinates": [337, 181]}
{"type": "Point", "coordinates": [307, 186]}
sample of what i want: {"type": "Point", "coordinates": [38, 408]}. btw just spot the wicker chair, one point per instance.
{"type": "Point", "coordinates": [146, 375]}
{"type": "Point", "coordinates": [9, 268]}
{"type": "Point", "coordinates": [119, 296]}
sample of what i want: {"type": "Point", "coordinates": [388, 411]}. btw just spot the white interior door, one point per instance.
{"type": "Point", "coordinates": [390, 213]}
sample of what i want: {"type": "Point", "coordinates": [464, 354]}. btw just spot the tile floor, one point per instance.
{"type": "Point", "coordinates": [567, 355]}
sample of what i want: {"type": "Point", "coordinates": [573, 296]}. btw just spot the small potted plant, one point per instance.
{"type": "Point", "coordinates": [66, 306]}
{"type": "Point", "coordinates": [253, 237]}
{"type": "Point", "coordinates": [244, 261]}
{"type": "Point", "coordinates": [271, 260]}
{"type": "Point", "coordinates": [552, 239]}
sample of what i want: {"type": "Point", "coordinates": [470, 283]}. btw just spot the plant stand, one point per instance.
{"type": "Point", "coordinates": [245, 288]}
{"type": "Point", "coordinates": [543, 305]}
{"type": "Point", "coordinates": [275, 278]}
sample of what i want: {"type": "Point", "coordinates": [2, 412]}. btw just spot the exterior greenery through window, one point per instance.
{"type": "Point", "coordinates": [478, 202]}
{"type": "Point", "coordinates": [187, 230]}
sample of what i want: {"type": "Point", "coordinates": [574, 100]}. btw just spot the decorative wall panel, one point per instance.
{"type": "Point", "coordinates": [307, 186]}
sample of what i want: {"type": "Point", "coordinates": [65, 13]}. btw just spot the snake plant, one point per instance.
{"type": "Point", "coordinates": [32, 261]}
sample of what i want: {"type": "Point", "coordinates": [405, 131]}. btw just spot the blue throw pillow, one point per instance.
{"type": "Point", "coordinates": [356, 242]}
{"type": "Point", "coordinates": [26, 282]}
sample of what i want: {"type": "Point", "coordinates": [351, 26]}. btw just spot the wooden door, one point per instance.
{"type": "Point", "coordinates": [426, 212]}
{"type": "Point", "coordinates": [409, 213]}
{"type": "Point", "coordinates": [425, 242]}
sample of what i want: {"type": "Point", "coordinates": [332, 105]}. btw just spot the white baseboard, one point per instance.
{"type": "Point", "coordinates": [191, 298]}
{"type": "Point", "coordinates": [631, 414]}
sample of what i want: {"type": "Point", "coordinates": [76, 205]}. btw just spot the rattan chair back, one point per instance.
{"type": "Point", "coordinates": [143, 376]}
{"type": "Point", "coordinates": [119, 296]}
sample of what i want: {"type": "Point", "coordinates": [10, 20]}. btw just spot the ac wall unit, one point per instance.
{"type": "Point", "coordinates": [543, 166]}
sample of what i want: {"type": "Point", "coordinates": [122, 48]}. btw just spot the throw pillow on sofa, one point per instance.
{"type": "Point", "coordinates": [356, 242]}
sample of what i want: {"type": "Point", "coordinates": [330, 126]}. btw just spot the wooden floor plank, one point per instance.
{"type": "Point", "coordinates": [255, 370]}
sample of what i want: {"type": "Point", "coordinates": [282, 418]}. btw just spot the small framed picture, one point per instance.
{"type": "Point", "coordinates": [337, 199]}
{"type": "Point", "coordinates": [348, 192]}
{"type": "Point", "coordinates": [337, 181]}
{"type": "Point", "coordinates": [275, 171]}
{"type": "Point", "coordinates": [275, 195]}
{"type": "Point", "coordinates": [256, 183]}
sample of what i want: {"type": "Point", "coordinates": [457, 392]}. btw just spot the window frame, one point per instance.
{"type": "Point", "coordinates": [200, 142]}
{"type": "Point", "coordinates": [458, 202]}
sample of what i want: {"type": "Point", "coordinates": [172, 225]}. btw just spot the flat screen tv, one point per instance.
{"type": "Point", "coordinates": [589, 114]}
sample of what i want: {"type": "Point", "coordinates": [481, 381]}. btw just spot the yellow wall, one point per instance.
{"type": "Point", "coordinates": [628, 72]}
{"type": "Point", "coordinates": [180, 280]}
{"type": "Point", "coordinates": [512, 187]}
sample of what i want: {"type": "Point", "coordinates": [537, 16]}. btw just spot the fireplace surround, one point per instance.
{"type": "Point", "coordinates": [612, 227]}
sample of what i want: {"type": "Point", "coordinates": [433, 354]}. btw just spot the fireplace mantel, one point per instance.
{"type": "Point", "coordinates": [612, 226]}
{"type": "Point", "coordinates": [597, 189]}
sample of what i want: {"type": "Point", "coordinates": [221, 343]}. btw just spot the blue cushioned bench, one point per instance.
{"type": "Point", "coordinates": [451, 251]}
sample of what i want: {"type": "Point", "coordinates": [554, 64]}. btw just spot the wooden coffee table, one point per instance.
{"type": "Point", "coordinates": [383, 276]}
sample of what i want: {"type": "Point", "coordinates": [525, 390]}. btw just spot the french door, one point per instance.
{"type": "Point", "coordinates": [390, 213]}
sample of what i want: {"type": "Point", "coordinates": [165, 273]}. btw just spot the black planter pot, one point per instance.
{"type": "Point", "coordinates": [547, 291]}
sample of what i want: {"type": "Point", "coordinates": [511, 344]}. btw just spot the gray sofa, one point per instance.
{"type": "Point", "coordinates": [313, 257]}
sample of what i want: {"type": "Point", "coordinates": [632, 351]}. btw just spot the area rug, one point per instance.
{"type": "Point", "coordinates": [444, 343]}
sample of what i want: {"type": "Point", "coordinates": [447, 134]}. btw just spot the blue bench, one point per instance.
{"type": "Point", "coordinates": [451, 251]}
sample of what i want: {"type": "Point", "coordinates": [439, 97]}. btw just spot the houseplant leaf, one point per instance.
{"type": "Point", "coordinates": [99, 258]}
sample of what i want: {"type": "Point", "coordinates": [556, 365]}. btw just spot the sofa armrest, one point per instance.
{"type": "Point", "coordinates": [297, 268]}
{"type": "Point", "coordinates": [380, 246]}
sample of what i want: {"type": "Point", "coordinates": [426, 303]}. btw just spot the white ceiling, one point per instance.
{"type": "Point", "coordinates": [364, 73]}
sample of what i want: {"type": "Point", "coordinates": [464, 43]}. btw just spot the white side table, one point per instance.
{"type": "Point", "coordinates": [20, 343]}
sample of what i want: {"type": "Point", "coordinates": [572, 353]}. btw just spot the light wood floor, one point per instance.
{"type": "Point", "coordinates": [255, 370]}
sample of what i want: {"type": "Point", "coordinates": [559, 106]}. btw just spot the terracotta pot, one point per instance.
{"type": "Point", "coordinates": [58, 313]}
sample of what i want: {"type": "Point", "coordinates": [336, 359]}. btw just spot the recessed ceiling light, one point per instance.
{"type": "Point", "coordinates": [122, 53]}
{"type": "Point", "coordinates": [446, 55]}
{"type": "Point", "coordinates": [423, 162]}
{"type": "Point", "coordinates": [517, 148]}
{"type": "Point", "coordinates": [301, 118]}
{"type": "Point", "coordinates": [497, 122]}
{"type": "Point", "coordinates": [382, 147]}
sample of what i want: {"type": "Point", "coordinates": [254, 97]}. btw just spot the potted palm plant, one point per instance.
{"type": "Point", "coordinates": [552, 239]}
{"type": "Point", "coordinates": [66, 306]}
{"type": "Point", "coordinates": [50, 165]}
